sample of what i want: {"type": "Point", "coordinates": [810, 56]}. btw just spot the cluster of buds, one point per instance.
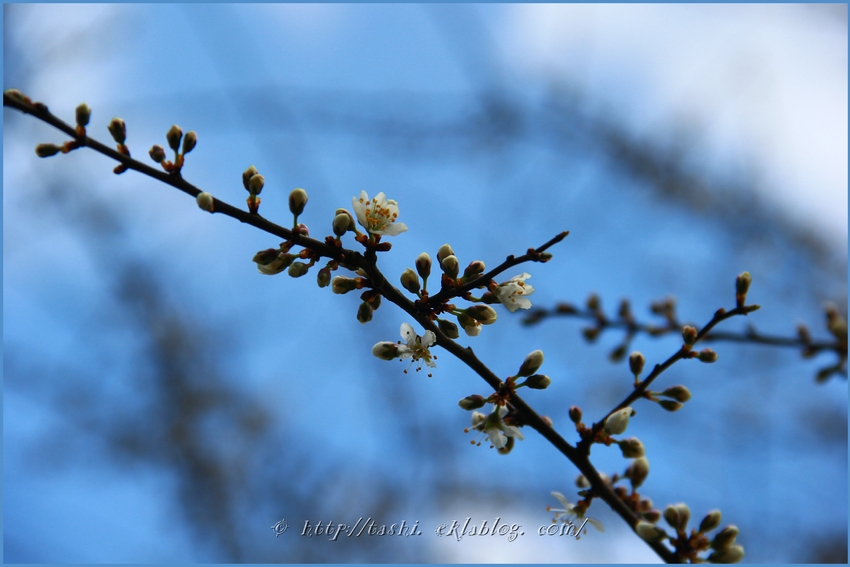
{"type": "Point", "coordinates": [174, 136]}
{"type": "Point", "coordinates": [688, 546]}
{"type": "Point", "coordinates": [82, 116]}
{"type": "Point", "coordinates": [253, 183]}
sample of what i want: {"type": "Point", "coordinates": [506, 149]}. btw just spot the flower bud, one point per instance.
{"type": "Point", "coordinates": [174, 136]}
{"type": "Point", "coordinates": [733, 554]}
{"type": "Point", "coordinates": [341, 224]}
{"type": "Point", "coordinates": [707, 355]}
{"type": "Point", "coordinates": [297, 201]}
{"type": "Point", "coordinates": [632, 448]}
{"type": "Point", "coordinates": [593, 302]}
{"type": "Point", "coordinates": [531, 363]}
{"type": "Point", "coordinates": [205, 201]}
{"type": "Point", "coordinates": [618, 421]}
{"type": "Point", "coordinates": [448, 328]}
{"type": "Point", "coordinates": [546, 419]}
{"type": "Point", "coordinates": [671, 516]}
{"type": "Point", "coordinates": [247, 175]}
{"type": "Point", "coordinates": [17, 95]}
{"type": "Point", "coordinates": [590, 333]}
{"type": "Point", "coordinates": [689, 334]}
{"type": "Point", "coordinates": [271, 262]}
{"type": "Point", "coordinates": [470, 325]}
{"type": "Point", "coordinates": [618, 353]}
{"type": "Point", "coordinates": [678, 393]}
{"type": "Point", "coordinates": [575, 414]}
{"type": "Point", "coordinates": [653, 516]}
{"type": "Point", "coordinates": [450, 266]}
{"type": "Point", "coordinates": [742, 284]}
{"type": "Point", "coordinates": [410, 281]}
{"type": "Point", "coordinates": [83, 114]}
{"type": "Point", "coordinates": [118, 130]}
{"type": "Point", "coordinates": [190, 140]}
{"type": "Point", "coordinates": [364, 313]}
{"type": "Point", "coordinates": [649, 533]}
{"type": "Point", "coordinates": [423, 265]}
{"type": "Point", "coordinates": [684, 515]}
{"type": "Point", "coordinates": [298, 269]}
{"type": "Point", "coordinates": [710, 522]}
{"type": "Point", "coordinates": [157, 153]}
{"type": "Point", "coordinates": [385, 350]}
{"type": "Point", "coordinates": [256, 184]}
{"type": "Point", "coordinates": [637, 473]}
{"type": "Point", "coordinates": [582, 482]}
{"type": "Point", "coordinates": [472, 402]}
{"type": "Point", "coordinates": [484, 314]}
{"type": "Point", "coordinates": [636, 362]}
{"type": "Point", "coordinates": [473, 270]}
{"type": "Point", "coordinates": [445, 250]}
{"type": "Point", "coordinates": [725, 538]}
{"type": "Point", "coordinates": [670, 405]}
{"type": "Point", "coordinates": [47, 150]}
{"type": "Point", "coordinates": [324, 277]}
{"type": "Point", "coordinates": [342, 284]}
{"type": "Point", "coordinates": [538, 382]}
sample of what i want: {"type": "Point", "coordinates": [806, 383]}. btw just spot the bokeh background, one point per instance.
{"type": "Point", "coordinates": [164, 402]}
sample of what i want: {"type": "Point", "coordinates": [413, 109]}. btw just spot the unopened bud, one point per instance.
{"type": "Point", "coordinates": [190, 140]}
{"type": "Point", "coordinates": [618, 421]}
{"type": "Point", "coordinates": [83, 114]}
{"type": "Point", "coordinates": [684, 516]}
{"type": "Point", "coordinates": [256, 184]}
{"type": "Point", "coordinates": [47, 150]}
{"type": "Point", "coordinates": [733, 554]}
{"type": "Point", "coordinates": [448, 328]}
{"type": "Point", "coordinates": [678, 393]}
{"type": "Point", "coordinates": [450, 266]}
{"type": "Point", "coordinates": [637, 473]}
{"type": "Point", "coordinates": [297, 201]}
{"type": "Point", "coordinates": [618, 353]}
{"type": "Point", "coordinates": [205, 201]}
{"type": "Point", "coordinates": [364, 313]}
{"type": "Point", "coordinates": [707, 355]}
{"type": "Point", "coordinates": [342, 284]}
{"type": "Point", "coordinates": [531, 363]}
{"type": "Point", "coordinates": [423, 265]}
{"type": "Point", "coordinates": [544, 257]}
{"type": "Point", "coordinates": [582, 482]}
{"type": "Point", "coordinates": [324, 277]}
{"type": "Point", "coordinates": [473, 270]}
{"type": "Point", "coordinates": [118, 130]}
{"type": "Point", "coordinates": [484, 314]}
{"type": "Point", "coordinates": [593, 302]}
{"type": "Point", "coordinates": [538, 382]}
{"type": "Point", "coordinates": [410, 281]}
{"type": "Point", "coordinates": [470, 326]}
{"type": "Point", "coordinates": [157, 153]}
{"type": "Point", "coordinates": [385, 350]}
{"type": "Point", "coordinates": [590, 333]}
{"type": "Point", "coordinates": [742, 284]}
{"type": "Point", "coordinates": [670, 405]}
{"type": "Point", "coordinates": [632, 448]}
{"type": "Point", "coordinates": [725, 538]}
{"type": "Point", "coordinates": [671, 516]}
{"type": "Point", "coordinates": [689, 334]}
{"type": "Point", "coordinates": [341, 224]}
{"type": "Point", "coordinates": [472, 402]}
{"type": "Point", "coordinates": [247, 175]}
{"type": "Point", "coordinates": [710, 522]}
{"type": "Point", "coordinates": [649, 533]}
{"type": "Point", "coordinates": [445, 250]}
{"type": "Point", "coordinates": [174, 135]}
{"type": "Point", "coordinates": [298, 269]}
{"type": "Point", "coordinates": [636, 362]}
{"type": "Point", "coordinates": [271, 262]}
{"type": "Point", "coordinates": [575, 414]}
{"type": "Point", "coordinates": [546, 419]}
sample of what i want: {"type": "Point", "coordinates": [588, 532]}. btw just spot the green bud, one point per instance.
{"type": "Point", "coordinates": [324, 277]}
{"type": "Point", "coordinates": [725, 538]}
{"type": "Point", "coordinates": [473, 270]}
{"type": "Point", "coordinates": [470, 326]}
{"type": "Point", "coordinates": [484, 314]}
{"type": "Point", "coordinates": [256, 184]}
{"type": "Point", "coordinates": [532, 362]}
{"type": "Point", "coordinates": [83, 114]}
{"type": "Point", "coordinates": [247, 175]}
{"type": "Point", "coordinates": [157, 153]}
{"type": "Point", "coordinates": [742, 284]}
{"type": "Point", "coordinates": [410, 281]}
{"type": "Point", "coordinates": [205, 201]}
{"type": "Point", "coordinates": [710, 522]}
{"type": "Point", "coordinates": [297, 201]}
{"type": "Point", "coordinates": [582, 482]}
{"type": "Point", "coordinates": [174, 135]}
{"type": "Point", "coordinates": [448, 328]}
{"type": "Point", "coordinates": [636, 362]}
{"type": "Point", "coordinates": [632, 448]}
{"type": "Point", "coordinates": [671, 516]}
{"type": "Point", "coordinates": [445, 250]}
{"type": "Point", "coordinates": [538, 382]}
{"type": "Point", "coordinates": [678, 393]}
{"type": "Point", "coordinates": [342, 284]}
{"type": "Point", "coordinates": [649, 533]}
{"type": "Point", "coordinates": [618, 421]}
{"type": "Point", "coordinates": [638, 471]}
{"type": "Point", "coordinates": [450, 266]}
{"type": "Point", "coordinates": [684, 516]}
{"type": "Point", "coordinates": [689, 334]}
{"type": "Point", "coordinates": [575, 414]}
{"type": "Point", "coordinates": [364, 313]}
{"type": "Point", "coordinates": [733, 554]}
{"type": "Point", "coordinates": [385, 350]}
{"type": "Point", "coordinates": [190, 140]}
{"type": "Point", "coordinates": [47, 150]}
{"type": "Point", "coordinates": [423, 265]}
{"type": "Point", "coordinates": [118, 130]}
{"type": "Point", "coordinates": [707, 355]}
{"type": "Point", "coordinates": [670, 405]}
{"type": "Point", "coordinates": [341, 224]}
{"type": "Point", "coordinates": [298, 269]}
{"type": "Point", "coordinates": [472, 402]}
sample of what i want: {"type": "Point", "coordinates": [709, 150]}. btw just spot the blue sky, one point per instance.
{"type": "Point", "coordinates": [494, 127]}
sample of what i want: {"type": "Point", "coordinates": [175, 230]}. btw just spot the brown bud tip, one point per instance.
{"type": "Point", "coordinates": [689, 334]}
{"type": "Point", "coordinates": [118, 130]}
{"type": "Point", "coordinates": [47, 150]}
{"type": "Point", "coordinates": [708, 355]}
{"type": "Point", "coordinates": [636, 363]}
{"type": "Point", "coordinates": [190, 140]}
{"type": "Point", "coordinates": [575, 414]}
{"type": "Point", "coordinates": [174, 135]}
{"type": "Point", "coordinates": [157, 153]}
{"type": "Point", "coordinates": [83, 114]}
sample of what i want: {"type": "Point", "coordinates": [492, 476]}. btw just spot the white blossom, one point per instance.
{"type": "Point", "coordinates": [512, 293]}
{"type": "Point", "coordinates": [569, 512]}
{"type": "Point", "coordinates": [378, 216]}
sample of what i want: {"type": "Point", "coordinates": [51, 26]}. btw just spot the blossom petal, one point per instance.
{"type": "Point", "coordinates": [407, 333]}
{"type": "Point", "coordinates": [393, 229]}
{"type": "Point", "coordinates": [560, 497]}
{"type": "Point", "coordinates": [497, 438]}
{"type": "Point", "coordinates": [429, 338]}
{"type": "Point", "coordinates": [360, 207]}
{"type": "Point", "coordinates": [513, 431]}
{"type": "Point", "coordinates": [596, 524]}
